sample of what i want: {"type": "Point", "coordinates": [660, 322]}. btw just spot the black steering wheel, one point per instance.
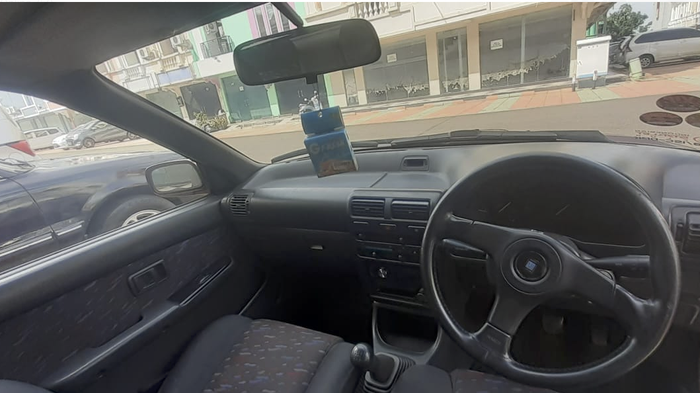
{"type": "Point", "coordinates": [528, 268]}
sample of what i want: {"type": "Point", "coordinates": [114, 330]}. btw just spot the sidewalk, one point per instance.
{"type": "Point", "coordinates": [669, 79]}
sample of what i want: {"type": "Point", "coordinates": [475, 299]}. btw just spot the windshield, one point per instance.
{"type": "Point", "coordinates": [448, 67]}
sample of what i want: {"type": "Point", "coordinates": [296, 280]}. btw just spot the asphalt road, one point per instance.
{"type": "Point", "coordinates": [612, 117]}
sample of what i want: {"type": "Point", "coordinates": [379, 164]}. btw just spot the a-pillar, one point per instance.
{"type": "Point", "coordinates": [473, 55]}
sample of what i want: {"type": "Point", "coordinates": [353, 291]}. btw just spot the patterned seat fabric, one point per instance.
{"type": "Point", "coordinates": [236, 354]}
{"type": "Point", "coordinates": [468, 381]}
{"type": "Point", "coordinates": [272, 357]}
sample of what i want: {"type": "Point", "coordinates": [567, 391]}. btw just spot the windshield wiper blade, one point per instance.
{"type": "Point", "coordinates": [466, 137]}
{"type": "Point", "coordinates": [303, 152]}
{"type": "Point", "coordinates": [16, 162]}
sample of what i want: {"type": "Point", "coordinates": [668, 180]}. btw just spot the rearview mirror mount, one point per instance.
{"type": "Point", "coordinates": [307, 52]}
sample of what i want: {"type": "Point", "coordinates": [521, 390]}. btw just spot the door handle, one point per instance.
{"type": "Point", "coordinates": [147, 278]}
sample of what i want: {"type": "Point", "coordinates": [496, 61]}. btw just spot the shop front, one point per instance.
{"type": "Point", "coordinates": [401, 72]}
{"type": "Point", "coordinates": [533, 47]}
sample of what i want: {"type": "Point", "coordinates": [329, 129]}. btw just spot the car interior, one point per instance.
{"type": "Point", "coordinates": [537, 266]}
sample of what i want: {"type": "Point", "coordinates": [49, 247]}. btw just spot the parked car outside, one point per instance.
{"type": "Point", "coordinates": [42, 138]}
{"type": "Point", "coordinates": [13, 144]}
{"type": "Point", "coordinates": [71, 199]}
{"type": "Point", "coordinates": [95, 132]}
{"type": "Point", "coordinates": [663, 45]}
{"type": "Point", "coordinates": [61, 142]}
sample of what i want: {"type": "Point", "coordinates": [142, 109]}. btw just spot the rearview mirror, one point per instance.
{"type": "Point", "coordinates": [307, 52]}
{"type": "Point", "coordinates": [175, 177]}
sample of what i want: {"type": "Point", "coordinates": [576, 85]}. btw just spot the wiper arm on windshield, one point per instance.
{"type": "Point", "coordinates": [16, 162]}
{"type": "Point", "coordinates": [467, 137]}
{"type": "Point", "coordinates": [303, 152]}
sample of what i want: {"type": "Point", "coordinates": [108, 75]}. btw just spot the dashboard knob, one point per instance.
{"type": "Point", "coordinates": [382, 272]}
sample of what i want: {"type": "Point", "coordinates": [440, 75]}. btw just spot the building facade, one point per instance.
{"type": "Point", "coordinates": [428, 49]}
{"type": "Point", "coordinates": [676, 14]}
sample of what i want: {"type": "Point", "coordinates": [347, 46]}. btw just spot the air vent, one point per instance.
{"type": "Point", "coordinates": [410, 210]}
{"type": "Point", "coordinates": [367, 207]}
{"type": "Point", "coordinates": [238, 204]}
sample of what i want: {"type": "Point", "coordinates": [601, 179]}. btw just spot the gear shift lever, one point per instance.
{"type": "Point", "coordinates": [380, 367]}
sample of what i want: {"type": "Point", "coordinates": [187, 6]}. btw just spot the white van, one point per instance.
{"type": "Point", "coordinates": [12, 141]}
{"type": "Point", "coordinates": [42, 138]}
{"type": "Point", "coordinates": [662, 45]}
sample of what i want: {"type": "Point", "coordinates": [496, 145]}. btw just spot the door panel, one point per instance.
{"type": "Point", "coordinates": [44, 345]}
{"type": "Point", "coordinates": [69, 317]}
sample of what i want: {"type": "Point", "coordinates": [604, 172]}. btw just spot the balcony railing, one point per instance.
{"type": "Point", "coordinates": [135, 72]}
{"type": "Point", "coordinates": [170, 63]}
{"type": "Point", "coordinates": [686, 21]}
{"type": "Point", "coordinates": [217, 46]}
{"type": "Point", "coordinates": [373, 9]}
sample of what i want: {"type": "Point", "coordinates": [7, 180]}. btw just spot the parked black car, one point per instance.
{"type": "Point", "coordinates": [87, 135]}
{"type": "Point", "coordinates": [49, 204]}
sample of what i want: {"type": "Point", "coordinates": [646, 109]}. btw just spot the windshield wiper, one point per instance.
{"type": "Point", "coordinates": [303, 152]}
{"type": "Point", "coordinates": [468, 137]}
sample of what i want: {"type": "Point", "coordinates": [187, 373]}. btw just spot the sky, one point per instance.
{"type": "Point", "coordinates": [644, 8]}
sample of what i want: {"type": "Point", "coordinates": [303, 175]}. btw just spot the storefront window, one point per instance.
{"type": "Point", "coordinates": [528, 48]}
{"type": "Point", "coordinates": [452, 60]}
{"type": "Point", "coordinates": [401, 72]}
{"type": "Point", "coordinates": [350, 87]}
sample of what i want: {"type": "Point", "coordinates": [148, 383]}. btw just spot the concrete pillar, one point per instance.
{"type": "Point", "coordinates": [473, 56]}
{"type": "Point", "coordinates": [336, 92]}
{"type": "Point", "coordinates": [360, 80]}
{"type": "Point", "coordinates": [578, 32]}
{"type": "Point", "coordinates": [431, 51]}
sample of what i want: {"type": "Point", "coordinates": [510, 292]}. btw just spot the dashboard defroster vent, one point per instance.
{"type": "Point", "coordinates": [410, 210]}
{"type": "Point", "coordinates": [364, 207]}
{"type": "Point", "coordinates": [238, 204]}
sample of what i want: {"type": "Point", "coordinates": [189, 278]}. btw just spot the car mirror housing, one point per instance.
{"type": "Point", "coordinates": [307, 52]}
{"type": "Point", "coordinates": [175, 178]}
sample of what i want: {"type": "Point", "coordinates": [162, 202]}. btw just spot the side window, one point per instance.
{"type": "Point", "coordinates": [688, 33]}
{"type": "Point", "coordinates": [646, 38]}
{"type": "Point", "coordinates": [76, 186]}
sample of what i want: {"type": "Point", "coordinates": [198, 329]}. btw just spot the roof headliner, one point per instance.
{"type": "Point", "coordinates": [42, 41]}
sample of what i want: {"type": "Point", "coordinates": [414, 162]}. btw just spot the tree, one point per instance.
{"type": "Point", "coordinates": [624, 22]}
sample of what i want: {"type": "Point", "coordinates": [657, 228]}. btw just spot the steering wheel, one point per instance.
{"type": "Point", "coordinates": [528, 268]}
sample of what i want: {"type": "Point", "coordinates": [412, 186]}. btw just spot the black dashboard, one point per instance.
{"type": "Point", "coordinates": [372, 221]}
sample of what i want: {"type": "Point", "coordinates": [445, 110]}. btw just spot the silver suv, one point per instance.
{"type": "Point", "coordinates": [662, 45]}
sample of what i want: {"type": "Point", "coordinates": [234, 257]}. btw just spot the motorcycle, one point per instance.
{"type": "Point", "coordinates": [310, 105]}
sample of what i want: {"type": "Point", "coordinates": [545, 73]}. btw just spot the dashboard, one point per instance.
{"type": "Point", "coordinates": [372, 221]}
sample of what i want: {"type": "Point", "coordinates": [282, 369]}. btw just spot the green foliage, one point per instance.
{"type": "Point", "coordinates": [202, 121]}
{"type": "Point", "coordinates": [624, 22]}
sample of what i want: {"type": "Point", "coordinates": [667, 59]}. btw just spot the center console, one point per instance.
{"type": "Point", "coordinates": [388, 229]}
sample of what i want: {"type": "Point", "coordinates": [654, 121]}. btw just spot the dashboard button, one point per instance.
{"type": "Point", "coordinates": [387, 227]}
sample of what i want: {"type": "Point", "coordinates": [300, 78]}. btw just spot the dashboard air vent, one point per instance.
{"type": "Point", "coordinates": [362, 207]}
{"type": "Point", "coordinates": [410, 210]}
{"type": "Point", "coordinates": [238, 204]}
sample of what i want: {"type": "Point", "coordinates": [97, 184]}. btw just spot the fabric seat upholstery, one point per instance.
{"type": "Point", "coordinates": [424, 379]}
{"type": "Point", "coordinates": [237, 354]}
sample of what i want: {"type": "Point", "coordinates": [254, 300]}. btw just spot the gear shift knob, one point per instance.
{"type": "Point", "coordinates": [362, 356]}
{"type": "Point", "coordinates": [380, 367]}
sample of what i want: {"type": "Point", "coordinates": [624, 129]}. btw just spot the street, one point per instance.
{"type": "Point", "coordinates": [612, 117]}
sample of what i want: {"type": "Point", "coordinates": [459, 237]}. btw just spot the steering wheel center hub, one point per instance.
{"type": "Point", "coordinates": [531, 266]}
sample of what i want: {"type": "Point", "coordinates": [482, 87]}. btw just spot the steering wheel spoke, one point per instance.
{"type": "Point", "coordinates": [486, 237]}
{"type": "Point", "coordinates": [601, 288]}
{"type": "Point", "coordinates": [509, 310]}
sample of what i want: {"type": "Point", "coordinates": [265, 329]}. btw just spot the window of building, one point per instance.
{"type": "Point", "coordinates": [260, 21]}
{"type": "Point", "coordinates": [527, 48]}
{"type": "Point", "coordinates": [285, 23]}
{"type": "Point", "coordinates": [271, 19]}
{"type": "Point", "coordinates": [350, 87]}
{"type": "Point", "coordinates": [129, 59]}
{"type": "Point", "coordinates": [401, 72]}
{"type": "Point", "coordinates": [452, 60]}
{"type": "Point", "coordinates": [28, 100]}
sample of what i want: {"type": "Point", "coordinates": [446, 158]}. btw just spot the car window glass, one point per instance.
{"type": "Point", "coordinates": [76, 185]}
